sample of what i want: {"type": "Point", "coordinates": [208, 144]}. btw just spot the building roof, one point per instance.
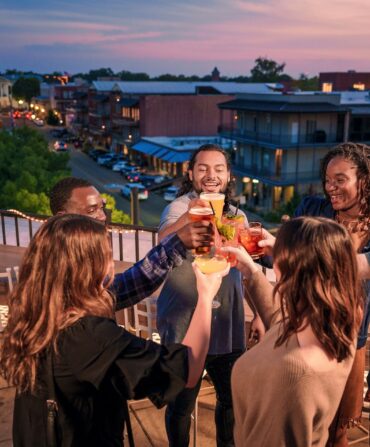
{"type": "Point", "coordinates": [190, 88]}
{"type": "Point", "coordinates": [176, 149]}
{"type": "Point", "coordinates": [103, 86]}
{"type": "Point", "coordinates": [281, 106]}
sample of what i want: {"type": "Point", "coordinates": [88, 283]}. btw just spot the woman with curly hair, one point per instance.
{"type": "Point", "coordinates": [345, 175]}
{"type": "Point", "coordinates": [286, 390]}
{"type": "Point", "coordinates": [61, 325]}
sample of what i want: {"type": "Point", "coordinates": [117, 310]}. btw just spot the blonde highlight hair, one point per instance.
{"type": "Point", "coordinates": [319, 283]}
{"type": "Point", "coordinates": [63, 277]}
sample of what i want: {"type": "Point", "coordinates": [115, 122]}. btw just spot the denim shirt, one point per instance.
{"type": "Point", "coordinates": [317, 206]}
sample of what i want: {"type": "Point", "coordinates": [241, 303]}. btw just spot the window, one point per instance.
{"type": "Point", "coordinates": [327, 87]}
{"type": "Point", "coordinates": [359, 86]}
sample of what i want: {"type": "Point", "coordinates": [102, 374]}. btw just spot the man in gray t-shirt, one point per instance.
{"type": "Point", "coordinates": [209, 171]}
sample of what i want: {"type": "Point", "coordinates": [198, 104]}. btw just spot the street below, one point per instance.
{"type": "Point", "coordinates": [107, 181]}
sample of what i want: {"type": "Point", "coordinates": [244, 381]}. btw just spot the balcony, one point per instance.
{"type": "Point", "coordinates": [271, 178]}
{"type": "Point", "coordinates": [317, 138]}
{"type": "Point", "coordinates": [125, 122]}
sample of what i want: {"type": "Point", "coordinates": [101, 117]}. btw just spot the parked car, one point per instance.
{"type": "Point", "coordinates": [95, 153]}
{"type": "Point", "coordinates": [103, 158]}
{"type": "Point", "coordinates": [60, 146]}
{"type": "Point", "coordinates": [113, 160]}
{"type": "Point", "coordinates": [142, 192]}
{"type": "Point", "coordinates": [118, 165]}
{"type": "Point", "coordinates": [38, 122]}
{"type": "Point", "coordinates": [170, 193]}
{"type": "Point", "coordinates": [78, 142]}
{"type": "Point", "coordinates": [134, 177]}
{"type": "Point", "coordinates": [128, 169]}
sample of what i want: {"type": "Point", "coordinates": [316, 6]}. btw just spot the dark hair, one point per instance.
{"type": "Point", "coordinates": [359, 155]}
{"type": "Point", "coordinates": [63, 277]}
{"type": "Point", "coordinates": [187, 184]}
{"type": "Point", "coordinates": [62, 191]}
{"type": "Point", "coordinates": [319, 283]}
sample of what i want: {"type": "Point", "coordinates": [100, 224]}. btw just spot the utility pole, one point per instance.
{"type": "Point", "coordinates": [11, 109]}
{"type": "Point", "coordinates": [135, 206]}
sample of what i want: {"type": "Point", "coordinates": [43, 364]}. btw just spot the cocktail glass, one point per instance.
{"type": "Point", "coordinates": [211, 264]}
{"type": "Point", "coordinates": [249, 238]}
{"type": "Point", "coordinates": [217, 199]}
{"type": "Point", "coordinates": [229, 237]}
{"type": "Point", "coordinates": [197, 214]}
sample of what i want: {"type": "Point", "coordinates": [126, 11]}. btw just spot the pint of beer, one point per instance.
{"type": "Point", "coordinates": [217, 199]}
{"type": "Point", "coordinates": [198, 213]}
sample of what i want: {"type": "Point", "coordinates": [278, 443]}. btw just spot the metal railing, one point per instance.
{"type": "Point", "coordinates": [319, 137]}
{"type": "Point", "coordinates": [130, 242]}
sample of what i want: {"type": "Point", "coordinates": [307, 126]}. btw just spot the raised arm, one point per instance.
{"type": "Point", "coordinates": [259, 288]}
{"type": "Point", "coordinates": [198, 333]}
{"type": "Point", "coordinates": [144, 277]}
{"type": "Point", "coordinates": [363, 264]}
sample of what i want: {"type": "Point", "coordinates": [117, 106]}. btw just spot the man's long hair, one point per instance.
{"type": "Point", "coordinates": [187, 184]}
{"type": "Point", "coordinates": [63, 277]}
{"type": "Point", "coordinates": [319, 283]}
{"type": "Point", "coordinates": [359, 155]}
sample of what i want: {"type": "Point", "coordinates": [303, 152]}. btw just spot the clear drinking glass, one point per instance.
{"type": "Point", "coordinates": [211, 264]}
{"type": "Point", "coordinates": [217, 199]}
{"type": "Point", "coordinates": [249, 238]}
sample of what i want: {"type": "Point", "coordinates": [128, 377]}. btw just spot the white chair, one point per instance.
{"type": "Point", "coordinates": [145, 314]}
{"type": "Point", "coordinates": [7, 275]}
{"type": "Point", "coordinates": [16, 271]}
{"type": "Point", "coordinates": [6, 281]}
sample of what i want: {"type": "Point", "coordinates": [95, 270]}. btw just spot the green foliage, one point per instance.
{"type": "Point", "coordinates": [129, 76]}
{"type": "Point", "coordinates": [52, 119]}
{"type": "Point", "coordinates": [26, 88]}
{"type": "Point", "coordinates": [286, 208]}
{"type": "Point", "coordinates": [266, 70]}
{"type": "Point", "coordinates": [306, 84]}
{"type": "Point", "coordinates": [28, 170]}
{"type": "Point", "coordinates": [118, 216]}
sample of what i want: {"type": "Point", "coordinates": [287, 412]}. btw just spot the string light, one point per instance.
{"type": "Point", "coordinates": [111, 229]}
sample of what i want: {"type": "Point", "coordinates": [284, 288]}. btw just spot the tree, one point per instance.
{"type": "Point", "coordinates": [26, 88]}
{"type": "Point", "coordinates": [129, 76]}
{"type": "Point", "coordinates": [118, 216]}
{"type": "Point", "coordinates": [266, 70]}
{"type": "Point", "coordinates": [305, 83]}
{"type": "Point", "coordinates": [28, 170]}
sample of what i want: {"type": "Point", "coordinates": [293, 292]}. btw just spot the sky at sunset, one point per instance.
{"type": "Point", "coordinates": [188, 36]}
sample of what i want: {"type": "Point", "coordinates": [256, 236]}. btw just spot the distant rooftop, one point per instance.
{"type": "Point", "coordinates": [191, 88]}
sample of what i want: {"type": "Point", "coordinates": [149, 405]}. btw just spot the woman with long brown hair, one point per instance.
{"type": "Point", "coordinates": [345, 175]}
{"type": "Point", "coordinates": [61, 323]}
{"type": "Point", "coordinates": [312, 315]}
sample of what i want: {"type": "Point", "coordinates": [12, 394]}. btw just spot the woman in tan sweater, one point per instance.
{"type": "Point", "coordinates": [286, 389]}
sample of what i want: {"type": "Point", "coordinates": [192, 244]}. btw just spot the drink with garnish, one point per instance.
{"type": "Point", "coordinates": [217, 199]}
{"type": "Point", "coordinates": [229, 232]}
{"type": "Point", "coordinates": [197, 214]}
{"type": "Point", "coordinates": [249, 238]}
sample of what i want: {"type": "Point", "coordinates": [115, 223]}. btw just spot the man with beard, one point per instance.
{"type": "Point", "coordinates": [74, 195]}
{"type": "Point", "coordinates": [209, 171]}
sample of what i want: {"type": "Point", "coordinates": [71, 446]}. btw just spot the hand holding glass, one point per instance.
{"type": "Point", "coordinates": [197, 214]}
{"type": "Point", "coordinates": [249, 238]}
{"type": "Point", "coordinates": [209, 265]}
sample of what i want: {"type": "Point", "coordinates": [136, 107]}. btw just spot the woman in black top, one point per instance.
{"type": "Point", "coordinates": [62, 306]}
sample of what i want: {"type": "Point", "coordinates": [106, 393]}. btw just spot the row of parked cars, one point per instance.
{"type": "Point", "coordinates": [136, 176]}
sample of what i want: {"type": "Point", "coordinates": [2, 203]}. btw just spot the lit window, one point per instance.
{"type": "Point", "coordinates": [359, 86]}
{"type": "Point", "coordinates": [327, 87]}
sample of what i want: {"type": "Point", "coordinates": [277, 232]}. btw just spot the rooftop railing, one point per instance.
{"type": "Point", "coordinates": [129, 242]}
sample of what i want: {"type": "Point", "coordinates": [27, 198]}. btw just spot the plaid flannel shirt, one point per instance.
{"type": "Point", "coordinates": [144, 277]}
